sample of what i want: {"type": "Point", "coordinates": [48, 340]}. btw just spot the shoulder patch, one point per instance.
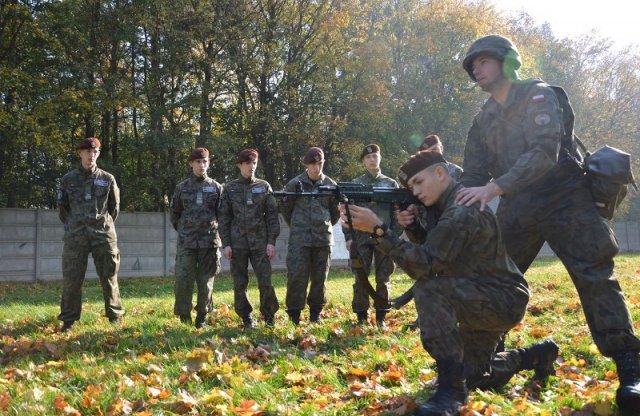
{"type": "Point", "coordinates": [542, 119]}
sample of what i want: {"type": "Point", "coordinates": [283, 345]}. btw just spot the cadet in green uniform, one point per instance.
{"type": "Point", "coordinates": [514, 150]}
{"type": "Point", "coordinates": [249, 226]}
{"type": "Point", "coordinates": [467, 291]}
{"type": "Point", "coordinates": [433, 142]}
{"type": "Point", "coordinates": [194, 215]}
{"type": "Point", "coordinates": [416, 219]}
{"type": "Point", "coordinates": [310, 239]}
{"type": "Point", "coordinates": [356, 240]}
{"type": "Point", "coordinates": [88, 204]}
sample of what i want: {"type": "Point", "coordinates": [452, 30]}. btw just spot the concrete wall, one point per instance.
{"type": "Point", "coordinates": [31, 245]}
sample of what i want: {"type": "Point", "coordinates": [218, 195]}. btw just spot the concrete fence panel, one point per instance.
{"type": "Point", "coordinates": [31, 245]}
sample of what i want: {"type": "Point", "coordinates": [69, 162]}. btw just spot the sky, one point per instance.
{"type": "Point", "coordinates": [615, 19]}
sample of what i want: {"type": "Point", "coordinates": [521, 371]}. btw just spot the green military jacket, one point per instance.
{"type": "Point", "coordinates": [194, 212]}
{"type": "Point", "coordinates": [248, 214]}
{"type": "Point", "coordinates": [385, 213]}
{"type": "Point", "coordinates": [310, 219]}
{"type": "Point", "coordinates": [516, 144]}
{"type": "Point", "coordinates": [88, 203]}
{"type": "Point", "coordinates": [465, 243]}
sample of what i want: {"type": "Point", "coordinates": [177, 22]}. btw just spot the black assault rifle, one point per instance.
{"type": "Point", "coordinates": [352, 192]}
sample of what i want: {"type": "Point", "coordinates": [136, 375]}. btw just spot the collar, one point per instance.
{"type": "Point", "coordinates": [372, 176]}
{"type": "Point", "coordinates": [242, 179]}
{"type": "Point", "coordinates": [87, 172]}
{"type": "Point", "coordinates": [197, 178]}
{"type": "Point", "coordinates": [448, 196]}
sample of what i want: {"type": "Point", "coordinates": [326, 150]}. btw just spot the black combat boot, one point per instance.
{"type": "Point", "coordinates": [66, 325]}
{"type": "Point", "coordinates": [380, 315]}
{"type": "Point", "coordinates": [294, 316]}
{"type": "Point", "coordinates": [314, 314]}
{"type": "Point", "coordinates": [363, 317]}
{"type": "Point", "coordinates": [452, 391]}
{"type": "Point", "coordinates": [248, 322]}
{"type": "Point", "coordinates": [628, 394]}
{"type": "Point", "coordinates": [540, 357]}
{"type": "Point", "coordinates": [201, 320]}
{"type": "Point", "coordinates": [269, 320]}
{"type": "Point", "coordinates": [186, 319]}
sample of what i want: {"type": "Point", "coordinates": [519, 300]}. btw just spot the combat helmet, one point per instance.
{"type": "Point", "coordinates": [500, 48]}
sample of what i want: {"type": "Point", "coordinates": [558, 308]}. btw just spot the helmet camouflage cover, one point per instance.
{"type": "Point", "coordinates": [498, 47]}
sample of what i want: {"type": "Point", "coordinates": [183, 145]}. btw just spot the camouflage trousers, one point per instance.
{"type": "Point", "coordinates": [106, 259]}
{"type": "Point", "coordinates": [384, 267]}
{"type": "Point", "coordinates": [262, 269]}
{"type": "Point", "coordinates": [567, 219]}
{"type": "Point", "coordinates": [304, 265]}
{"type": "Point", "coordinates": [464, 319]}
{"type": "Point", "coordinates": [199, 266]}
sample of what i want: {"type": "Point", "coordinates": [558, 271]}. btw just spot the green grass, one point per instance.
{"type": "Point", "coordinates": [152, 364]}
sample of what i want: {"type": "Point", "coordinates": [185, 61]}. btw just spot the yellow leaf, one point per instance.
{"type": "Point", "coordinates": [603, 408]}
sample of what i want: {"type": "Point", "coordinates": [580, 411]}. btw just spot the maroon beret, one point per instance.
{"type": "Point", "coordinates": [368, 149]}
{"type": "Point", "coordinates": [89, 143]}
{"type": "Point", "coordinates": [314, 154]}
{"type": "Point", "coordinates": [198, 153]}
{"type": "Point", "coordinates": [417, 163]}
{"type": "Point", "coordinates": [429, 140]}
{"type": "Point", "coordinates": [247, 155]}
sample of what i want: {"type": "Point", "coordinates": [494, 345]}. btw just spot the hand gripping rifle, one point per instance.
{"type": "Point", "coordinates": [352, 192]}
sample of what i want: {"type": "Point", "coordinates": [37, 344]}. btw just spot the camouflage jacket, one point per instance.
{"type": "Point", "coordinates": [385, 213]}
{"type": "Point", "coordinates": [89, 202]}
{"type": "Point", "coordinates": [465, 242]}
{"type": "Point", "coordinates": [310, 219]}
{"type": "Point", "coordinates": [194, 212]}
{"type": "Point", "coordinates": [248, 214]}
{"type": "Point", "coordinates": [516, 144]}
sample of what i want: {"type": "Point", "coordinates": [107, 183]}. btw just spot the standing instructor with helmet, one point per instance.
{"type": "Point", "coordinates": [515, 150]}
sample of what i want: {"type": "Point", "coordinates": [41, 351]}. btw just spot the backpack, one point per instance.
{"type": "Point", "coordinates": [607, 170]}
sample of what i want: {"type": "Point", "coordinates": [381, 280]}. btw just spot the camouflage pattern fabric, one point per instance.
{"type": "Point", "coordinates": [546, 199]}
{"type": "Point", "coordinates": [309, 248]}
{"type": "Point", "coordinates": [383, 265]}
{"type": "Point", "coordinates": [310, 219]}
{"type": "Point", "coordinates": [194, 212]}
{"type": "Point", "coordinates": [307, 267]}
{"type": "Point", "coordinates": [194, 215]}
{"type": "Point", "coordinates": [88, 205]}
{"type": "Point", "coordinates": [468, 291]}
{"type": "Point", "coordinates": [199, 266]}
{"type": "Point", "coordinates": [248, 222]}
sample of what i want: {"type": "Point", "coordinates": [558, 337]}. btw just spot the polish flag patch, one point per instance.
{"type": "Point", "coordinates": [538, 98]}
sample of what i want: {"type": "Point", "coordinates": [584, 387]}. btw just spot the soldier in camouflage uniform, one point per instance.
{"type": "Point", "coordinates": [88, 205]}
{"type": "Point", "coordinates": [310, 239]}
{"type": "Point", "coordinates": [433, 142]}
{"type": "Point", "coordinates": [467, 292]}
{"type": "Point", "coordinates": [249, 226]}
{"type": "Point", "coordinates": [194, 215]}
{"type": "Point", "coordinates": [356, 240]}
{"type": "Point", "coordinates": [417, 220]}
{"type": "Point", "coordinates": [516, 140]}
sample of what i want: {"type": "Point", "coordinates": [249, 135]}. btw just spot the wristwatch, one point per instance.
{"type": "Point", "coordinates": [379, 231]}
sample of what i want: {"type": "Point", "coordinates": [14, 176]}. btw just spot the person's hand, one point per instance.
{"type": "Point", "coordinates": [227, 252]}
{"type": "Point", "coordinates": [271, 251]}
{"type": "Point", "coordinates": [348, 244]}
{"type": "Point", "coordinates": [362, 219]}
{"type": "Point", "coordinates": [407, 217]}
{"type": "Point", "coordinates": [482, 194]}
